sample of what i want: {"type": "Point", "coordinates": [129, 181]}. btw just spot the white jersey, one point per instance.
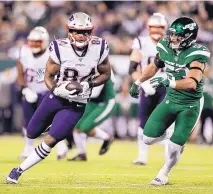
{"type": "Point", "coordinates": [148, 51]}
{"type": "Point", "coordinates": [31, 65]}
{"type": "Point", "coordinates": [78, 67]}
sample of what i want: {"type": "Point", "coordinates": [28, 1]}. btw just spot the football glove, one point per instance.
{"type": "Point", "coordinates": [62, 92]}
{"type": "Point", "coordinates": [85, 87]}
{"type": "Point", "coordinates": [163, 82]}
{"type": "Point", "coordinates": [29, 95]}
{"type": "Point", "coordinates": [134, 90]}
{"type": "Point", "coordinates": [148, 88]}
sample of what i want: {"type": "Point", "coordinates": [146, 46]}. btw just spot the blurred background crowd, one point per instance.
{"type": "Point", "coordinates": [116, 21]}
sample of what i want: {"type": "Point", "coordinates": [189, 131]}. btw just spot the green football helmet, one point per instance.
{"type": "Point", "coordinates": [182, 33]}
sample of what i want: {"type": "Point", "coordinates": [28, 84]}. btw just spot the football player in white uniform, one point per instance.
{"type": "Point", "coordinates": [75, 59]}
{"type": "Point", "coordinates": [32, 59]}
{"type": "Point", "coordinates": [143, 53]}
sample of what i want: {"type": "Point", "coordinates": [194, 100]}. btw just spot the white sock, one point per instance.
{"type": "Point", "coordinates": [172, 157]}
{"type": "Point", "coordinates": [61, 148]}
{"type": "Point", "coordinates": [37, 155]}
{"type": "Point", "coordinates": [100, 134]}
{"type": "Point", "coordinates": [80, 142]}
{"type": "Point", "coordinates": [121, 126]}
{"type": "Point", "coordinates": [142, 147]}
{"type": "Point", "coordinates": [152, 140]}
{"type": "Point", "coordinates": [132, 127]}
{"type": "Point", "coordinates": [108, 127]}
{"type": "Point", "coordinates": [29, 143]}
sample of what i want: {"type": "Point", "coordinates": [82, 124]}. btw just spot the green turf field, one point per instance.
{"type": "Point", "coordinates": [111, 173]}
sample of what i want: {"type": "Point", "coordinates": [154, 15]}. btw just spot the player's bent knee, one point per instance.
{"type": "Point", "coordinates": [51, 141]}
{"type": "Point", "coordinates": [85, 129]}
{"type": "Point", "coordinates": [32, 136]}
{"type": "Point", "coordinates": [148, 140]}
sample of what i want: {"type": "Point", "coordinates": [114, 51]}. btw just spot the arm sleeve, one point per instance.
{"type": "Point", "coordinates": [53, 54]}
{"type": "Point", "coordinates": [104, 51]}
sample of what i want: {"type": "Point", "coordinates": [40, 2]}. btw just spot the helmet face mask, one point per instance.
{"type": "Point", "coordinates": [79, 29]}
{"type": "Point", "coordinates": [157, 32]}
{"type": "Point", "coordinates": [182, 33]}
{"type": "Point", "coordinates": [157, 25]}
{"type": "Point", "coordinates": [38, 39]}
{"type": "Point", "coordinates": [35, 46]}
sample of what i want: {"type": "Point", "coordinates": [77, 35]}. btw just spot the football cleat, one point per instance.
{"type": "Point", "coordinates": [26, 152]}
{"type": "Point", "coordinates": [61, 156]}
{"type": "Point", "coordinates": [139, 162]}
{"type": "Point", "coordinates": [14, 176]}
{"type": "Point", "coordinates": [79, 157]}
{"type": "Point", "coordinates": [105, 146]}
{"type": "Point", "coordinates": [159, 181]}
{"type": "Point", "coordinates": [161, 178]}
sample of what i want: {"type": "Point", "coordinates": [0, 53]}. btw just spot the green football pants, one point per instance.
{"type": "Point", "coordinates": [185, 117]}
{"type": "Point", "coordinates": [95, 114]}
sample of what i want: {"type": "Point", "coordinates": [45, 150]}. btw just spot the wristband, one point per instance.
{"type": "Point", "coordinates": [138, 82]}
{"type": "Point", "coordinates": [172, 83]}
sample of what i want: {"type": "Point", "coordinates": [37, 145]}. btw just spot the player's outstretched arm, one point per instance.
{"type": "Point", "coordinates": [193, 77]}
{"type": "Point", "coordinates": [134, 67]}
{"type": "Point", "coordinates": [104, 70]}
{"type": "Point", "coordinates": [52, 69]}
{"type": "Point", "coordinates": [147, 73]}
{"type": "Point", "coordinates": [20, 77]}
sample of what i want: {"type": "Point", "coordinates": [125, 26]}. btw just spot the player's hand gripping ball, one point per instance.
{"type": "Point", "coordinates": [74, 85]}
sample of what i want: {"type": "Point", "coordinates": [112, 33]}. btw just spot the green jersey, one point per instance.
{"type": "Point", "coordinates": [177, 64]}
{"type": "Point", "coordinates": [106, 93]}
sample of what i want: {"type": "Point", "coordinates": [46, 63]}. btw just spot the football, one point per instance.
{"type": "Point", "coordinates": [74, 85]}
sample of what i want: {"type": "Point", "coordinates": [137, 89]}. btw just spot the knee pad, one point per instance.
{"type": "Point", "coordinates": [148, 140]}
{"type": "Point", "coordinates": [31, 136]}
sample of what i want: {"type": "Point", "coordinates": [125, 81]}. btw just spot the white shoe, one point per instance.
{"type": "Point", "coordinates": [159, 181]}
{"type": "Point", "coordinates": [161, 178]}
{"type": "Point", "coordinates": [26, 152]}
{"type": "Point", "coordinates": [139, 162]}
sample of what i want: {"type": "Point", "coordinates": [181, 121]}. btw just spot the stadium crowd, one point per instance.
{"type": "Point", "coordinates": [118, 22]}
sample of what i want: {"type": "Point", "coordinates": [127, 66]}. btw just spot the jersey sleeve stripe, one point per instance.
{"type": "Point", "coordinates": [102, 48]}
{"type": "Point", "coordinates": [205, 53]}
{"type": "Point", "coordinates": [162, 47]}
{"type": "Point", "coordinates": [139, 41]}
{"type": "Point", "coordinates": [57, 50]}
{"type": "Point", "coordinates": [107, 110]}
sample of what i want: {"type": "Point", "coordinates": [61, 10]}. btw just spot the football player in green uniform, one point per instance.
{"type": "Point", "coordinates": [100, 107]}
{"type": "Point", "coordinates": [184, 61]}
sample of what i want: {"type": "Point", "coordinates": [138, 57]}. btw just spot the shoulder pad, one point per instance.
{"type": "Point", "coordinates": [162, 46]}
{"type": "Point", "coordinates": [197, 52]}
{"type": "Point", "coordinates": [63, 42]}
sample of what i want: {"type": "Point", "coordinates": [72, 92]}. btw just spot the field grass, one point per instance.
{"type": "Point", "coordinates": [111, 173]}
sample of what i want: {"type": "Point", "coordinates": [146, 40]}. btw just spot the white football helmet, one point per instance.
{"type": "Point", "coordinates": [80, 29]}
{"type": "Point", "coordinates": [157, 20]}
{"type": "Point", "coordinates": [38, 33]}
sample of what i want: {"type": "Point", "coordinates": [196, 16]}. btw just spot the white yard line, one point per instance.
{"type": "Point", "coordinates": [133, 186]}
{"type": "Point", "coordinates": [104, 174]}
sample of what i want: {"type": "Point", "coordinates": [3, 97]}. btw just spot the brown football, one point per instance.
{"type": "Point", "coordinates": [74, 85]}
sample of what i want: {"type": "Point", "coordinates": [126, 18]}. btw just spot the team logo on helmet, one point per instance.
{"type": "Point", "coordinates": [182, 33]}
